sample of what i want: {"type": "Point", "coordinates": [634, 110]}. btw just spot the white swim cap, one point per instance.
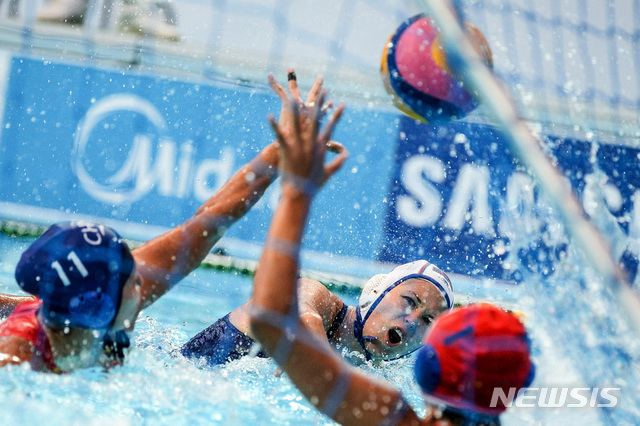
{"type": "Point", "coordinates": [380, 285]}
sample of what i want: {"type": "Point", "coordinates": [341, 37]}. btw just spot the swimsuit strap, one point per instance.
{"type": "Point", "coordinates": [337, 322]}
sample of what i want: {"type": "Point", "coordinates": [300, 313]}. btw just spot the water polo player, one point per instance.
{"type": "Point", "coordinates": [90, 288]}
{"type": "Point", "coordinates": [390, 320]}
{"type": "Point", "coordinates": [83, 276]}
{"type": "Point", "coordinates": [468, 353]}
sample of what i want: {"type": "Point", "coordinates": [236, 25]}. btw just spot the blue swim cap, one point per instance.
{"type": "Point", "coordinates": [78, 270]}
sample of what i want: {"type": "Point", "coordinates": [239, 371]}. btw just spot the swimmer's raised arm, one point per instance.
{"type": "Point", "coordinates": [303, 173]}
{"type": "Point", "coordinates": [306, 106]}
{"type": "Point", "coordinates": [316, 297]}
{"type": "Point", "coordinates": [165, 260]}
{"type": "Point", "coordinates": [330, 383]}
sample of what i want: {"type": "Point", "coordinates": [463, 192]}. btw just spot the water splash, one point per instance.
{"type": "Point", "coordinates": [568, 304]}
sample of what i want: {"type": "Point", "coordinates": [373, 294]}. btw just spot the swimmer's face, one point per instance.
{"type": "Point", "coordinates": [402, 318]}
{"type": "Point", "coordinates": [130, 304]}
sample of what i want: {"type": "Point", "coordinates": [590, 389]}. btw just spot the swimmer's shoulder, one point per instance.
{"type": "Point", "coordinates": [314, 289]}
{"type": "Point", "coordinates": [314, 297]}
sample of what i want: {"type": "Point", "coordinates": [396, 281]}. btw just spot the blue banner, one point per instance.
{"type": "Point", "coordinates": [146, 152]}
{"type": "Point", "coordinates": [458, 196]}
{"type": "Point", "coordinates": [149, 151]}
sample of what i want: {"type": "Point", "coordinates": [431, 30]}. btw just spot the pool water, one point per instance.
{"type": "Point", "coordinates": [158, 386]}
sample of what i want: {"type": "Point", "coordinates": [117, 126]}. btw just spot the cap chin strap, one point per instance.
{"type": "Point", "coordinates": [358, 328]}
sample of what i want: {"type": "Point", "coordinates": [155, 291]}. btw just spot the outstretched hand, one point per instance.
{"type": "Point", "coordinates": [307, 105]}
{"type": "Point", "coordinates": [303, 143]}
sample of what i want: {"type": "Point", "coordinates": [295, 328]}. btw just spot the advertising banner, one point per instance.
{"type": "Point", "coordinates": [143, 153]}
{"type": "Point", "coordinates": [458, 195]}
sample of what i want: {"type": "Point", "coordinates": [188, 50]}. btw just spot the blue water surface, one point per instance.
{"type": "Point", "coordinates": [157, 386]}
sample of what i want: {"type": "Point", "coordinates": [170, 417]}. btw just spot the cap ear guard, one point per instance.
{"type": "Point", "coordinates": [25, 269]}
{"type": "Point", "coordinates": [530, 376]}
{"type": "Point", "coordinates": [372, 290]}
{"type": "Point", "coordinates": [92, 309]}
{"type": "Point", "coordinates": [427, 368]}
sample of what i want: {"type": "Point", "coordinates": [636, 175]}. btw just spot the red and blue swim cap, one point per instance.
{"type": "Point", "coordinates": [78, 270]}
{"type": "Point", "coordinates": [471, 352]}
